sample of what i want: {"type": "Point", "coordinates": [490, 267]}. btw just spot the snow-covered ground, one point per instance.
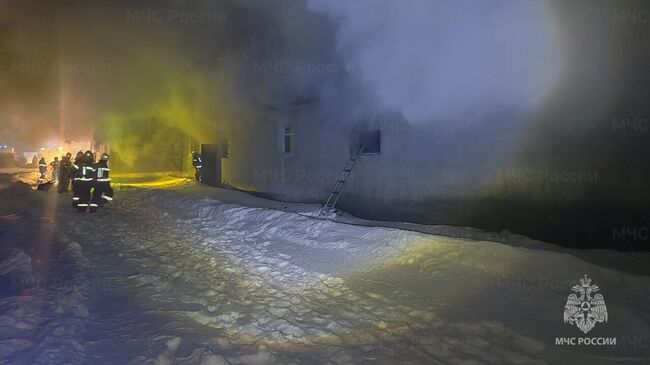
{"type": "Point", "coordinates": [193, 275]}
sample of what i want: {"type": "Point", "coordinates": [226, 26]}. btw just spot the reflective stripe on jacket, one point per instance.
{"type": "Point", "coordinates": [103, 174]}
{"type": "Point", "coordinates": [87, 173]}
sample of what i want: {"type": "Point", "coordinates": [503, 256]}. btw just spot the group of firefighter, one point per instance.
{"type": "Point", "coordinates": [90, 180]}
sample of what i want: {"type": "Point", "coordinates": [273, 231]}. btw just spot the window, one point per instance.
{"type": "Point", "coordinates": [289, 141]}
{"type": "Point", "coordinates": [369, 142]}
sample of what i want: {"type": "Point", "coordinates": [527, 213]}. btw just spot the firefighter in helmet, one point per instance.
{"type": "Point", "coordinates": [65, 171]}
{"type": "Point", "coordinates": [197, 162]}
{"type": "Point", "coordinates": [75, 172]}
{"type": "Point", "coordinates": [42, 169]}
{"type": "Point", "coordinates": [102, 191]}
{"type": "Point", "coordinates": [55, 169]}
{"type": "Point", "coordinates": [86, 181]}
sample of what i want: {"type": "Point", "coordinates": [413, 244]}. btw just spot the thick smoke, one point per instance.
{"type": "Point", "coordinates": [27, 85]}
{"type": "Point", "coordinates": [141, 74]}
{"type": "Point", "coordinates": [73, 69]}
{"type": "Point", "coordinates": [446, 60]}
{"type": "Point", "coordinates": [154, 77]}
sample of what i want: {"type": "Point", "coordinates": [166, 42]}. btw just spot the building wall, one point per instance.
{"type": "Point", "coordinates": [572, 169]}
{"type": "Point", "coordinates": [487, 175]}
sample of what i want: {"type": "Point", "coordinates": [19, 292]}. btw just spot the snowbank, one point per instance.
{"type": "Point", "coordinates": [463, 282]}
{"type": "Point", "coordinates": [15, 269]}
{"type": "Point", "coordinates": [195, 280]}
{"type": "Point", "coordinates": [42, 285]}
{"type": "Point", "coordinates": [44, 323]}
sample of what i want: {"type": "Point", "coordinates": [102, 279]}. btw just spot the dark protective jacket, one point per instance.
{"type": "Point", "coordinates": [102, 189]}
{"type": "Point", "coordinates": [197, 161]}
{"type": "Point", "coordinates": [65, 168]}
{"type": "Point", "coordinates": [75, 168]}
{"type": "Point", "coordinates": [42, 166]}
{"type": "Point", "coordinates": [64, 163]}
{"type": "Point", "coordinates": [102, 172]}
{"type": "Point", "coordinates": [64, 172]}
{"type": "Point", "coordinates": [86, 172]}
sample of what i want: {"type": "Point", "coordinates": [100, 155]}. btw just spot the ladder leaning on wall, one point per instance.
{"type": "Point", "coordinates": [340, 182]}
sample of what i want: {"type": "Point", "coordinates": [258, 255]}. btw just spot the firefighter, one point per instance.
{"type": "Point", "coordinates": [65, 171]}
{"type": "Point", "coordinates": [197, 162]}
{"type": "Point", "coordinates": [87, 178]}
{"type": "Point", "coordinates": [102, 191]}
{"type": "Point", "coordinates": [75, 173]}
{"type": "Point", "coordinates": [42, 169]}
{"type": "Point", "coordinates": [55, 169]}
{"type": "Point", "coordinates": [86, 181]}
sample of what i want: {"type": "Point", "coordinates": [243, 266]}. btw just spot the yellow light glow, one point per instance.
{"type": "Point", "coordinates": [147, 181]}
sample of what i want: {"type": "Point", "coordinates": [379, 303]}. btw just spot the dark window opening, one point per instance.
{"type": "Point", "coordinates": [369, 142]}
{"type": "Point", "coordinates": [289, 140]}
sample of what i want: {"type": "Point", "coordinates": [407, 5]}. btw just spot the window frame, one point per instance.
{"type": "Point", "coordinates": [288, 140]}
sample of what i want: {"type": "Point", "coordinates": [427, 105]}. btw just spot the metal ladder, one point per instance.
{"type": "Point", "coordinates": [338, 187]}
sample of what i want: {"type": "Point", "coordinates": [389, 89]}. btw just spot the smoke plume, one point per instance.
{"type": "Point", "coordinates": [441, 60]}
